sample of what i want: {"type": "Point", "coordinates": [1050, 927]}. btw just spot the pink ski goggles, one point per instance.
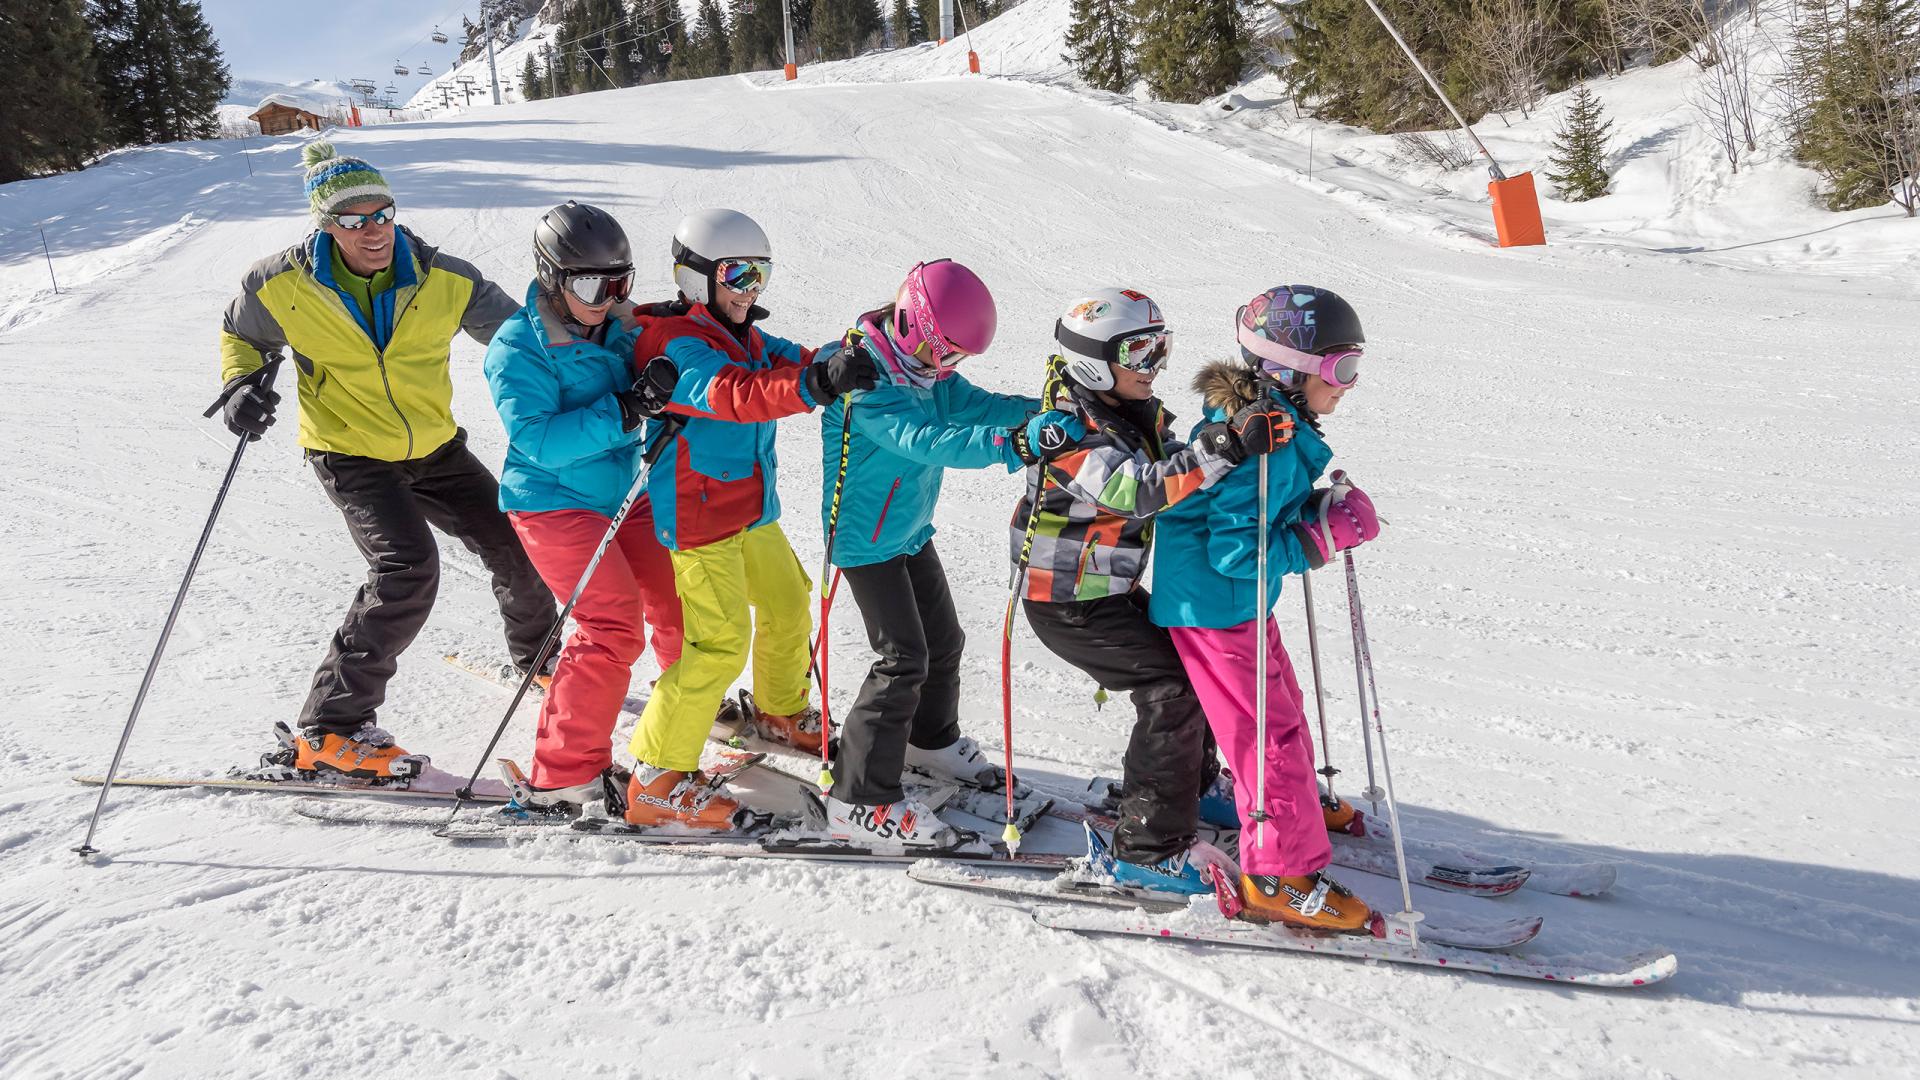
{"type": "Point", "coordinates": [1340, 367]}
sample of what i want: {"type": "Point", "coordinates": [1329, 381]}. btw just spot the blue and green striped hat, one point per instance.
{"type": "Point", "coordinates": [334, 181]}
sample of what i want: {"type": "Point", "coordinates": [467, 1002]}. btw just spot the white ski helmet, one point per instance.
{"type": "Point", "coordinates": [1089, 334]}
{"type": "Point", "coordinates": [708, 236]}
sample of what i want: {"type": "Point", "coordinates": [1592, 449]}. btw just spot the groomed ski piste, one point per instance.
{"type": "Point", "coordinates": [1647, 596]}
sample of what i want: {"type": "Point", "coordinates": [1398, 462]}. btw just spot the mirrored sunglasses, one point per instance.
{"type": "Point", "coordinates": [743, 275]}
{"type": "Point", "coordinates": [351, 222]}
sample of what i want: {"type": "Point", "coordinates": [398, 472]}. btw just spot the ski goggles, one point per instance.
{"type": "Point", "coordinates": [1339, 367]}
{"type": "Point", "coordinates": [743, 275]}
{"type": "Point", "coordinates": [1145, 351]}
{"type": "Point", "coordinates": [600, 287]}
{"type": "Point", "coordinates": [355, 222]}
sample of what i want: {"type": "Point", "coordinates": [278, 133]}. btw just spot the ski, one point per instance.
{"type": "Point", "coordinates": [723, 765]}
{"type": "Point", "coordinates": [1437, 864]}
{"type": "Point", "coordinates": [1202, 923]}
{"type": "Point", "coordinates": [434, 785]}
{"type": "Point", "coordinates": [1077, 884]}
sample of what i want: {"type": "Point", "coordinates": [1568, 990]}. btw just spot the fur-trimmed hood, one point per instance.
{"type": "Point", "coordinates": [1227, 385]}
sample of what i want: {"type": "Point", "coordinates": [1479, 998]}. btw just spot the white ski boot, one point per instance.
{"type": "Point", "coordinates": [963, 764]}
{"type": "Point", "coordinates": [910, 823]}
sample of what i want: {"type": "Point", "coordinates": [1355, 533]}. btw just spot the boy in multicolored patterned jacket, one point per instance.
{"type": "Point", "coordinates": [1109, 465]}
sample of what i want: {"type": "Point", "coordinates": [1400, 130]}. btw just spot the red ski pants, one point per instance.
{"type": "Point", "coordinates": [1222, 666]}
{"type": "Point", "coordinates": [632, 585]}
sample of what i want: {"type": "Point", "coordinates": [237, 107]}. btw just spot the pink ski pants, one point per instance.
{"type": "Point", "coordinates": [1221, 665]}
{"type": "Point", "coordinates": [634, 582]}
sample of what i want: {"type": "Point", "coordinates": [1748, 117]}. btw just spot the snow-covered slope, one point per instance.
{"type": "Point", "coordinates": [529, 37]}
{"type": "Point", "coordinates": [1647, 595]}
{"type": "Point", "coordinates": [1674, 197]}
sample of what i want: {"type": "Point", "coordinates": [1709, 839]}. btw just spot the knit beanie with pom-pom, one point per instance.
{"type": "Point", "coordinates": [334, 181]}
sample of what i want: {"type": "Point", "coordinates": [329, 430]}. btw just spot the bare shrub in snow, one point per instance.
{"type": "Point", "coordinates": [1726, 95]}
{"type": "Point", "coordinates": [1444, 150]}
{"type": "Point", "coordinates": [1510, 41]}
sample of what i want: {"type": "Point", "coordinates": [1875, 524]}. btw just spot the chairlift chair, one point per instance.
{"type": "Point", "coordinates": [423, 70]}
{"type": "Point", "coordinates": [637, 56]}
{"type": "Point", "coordinates": [400, 68]}
{"type": "Point", "coordinates": [438, 37]}
{"type": "Point", "coordinates": [666, 47]}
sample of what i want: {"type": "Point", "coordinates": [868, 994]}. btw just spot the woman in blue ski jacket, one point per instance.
{"type": "Point", "coordinates": [884, 451]}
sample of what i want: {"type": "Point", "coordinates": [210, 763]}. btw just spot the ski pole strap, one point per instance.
{"type": "Point", "coordinates": [261, 377]}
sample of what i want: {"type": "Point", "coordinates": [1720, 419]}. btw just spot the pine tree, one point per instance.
{"type": "Point", "coordinates": [756, 36]}
{"type": "Point", "coordinates": [1855, 74]}
{"type": "Point", "coordinates": [842, 28]}
{"type": "Point", "coordinates": [1190, 49]}
{"type": "Point", "coordinates": [930, 17]}
{"type": "Point", "coordinates": [905, 26]}
{"type": "Point", "coordinates": [1100, 44]}
{"type": "Point", "coordinates": [533, 83]}
{"type": "Point", "coordinates": [160, 71]}
{"type": "Point", "coordinates": [49, 120]}
{"type": "Point", "coordinates": [1580, 149]}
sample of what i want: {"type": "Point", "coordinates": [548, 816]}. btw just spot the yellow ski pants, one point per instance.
{"type": "Point", "coordinates": [748, 588]}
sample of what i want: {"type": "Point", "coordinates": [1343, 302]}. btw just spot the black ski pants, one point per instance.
{"type": "Point", "coordinates": [912, 692]}
{"type": "Point", "coordinates": [388, 506]}
{"type": "Point", "coordinates": [1170, 758]}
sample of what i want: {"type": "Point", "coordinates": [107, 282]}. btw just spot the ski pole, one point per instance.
{"type": "Point", "coordinates": [1372, 794]}
{"type": "Point", "coordinates": [272, 367]}
{"type": "Point", "coordinates": [829, 585]}
{"type": "Point", "coordinates": [1319, 691]}
{"type": "Point", "coordinates": [668, 429]}
{"type": "Point", "coordinates": [1408, 918]}
{"type": "Point", "coordinates": [1011, 834]}
{"type": "Point", "coordinates": [1259, 814]}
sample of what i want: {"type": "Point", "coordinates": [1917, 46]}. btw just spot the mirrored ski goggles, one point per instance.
{"type": "Point", "coordinates": [743, 275]}
{"type": "Point", "coordinates": [600, 287]}
{"type": "Point", "coordinates": [1339, 367]}
{"type": "Point", "coordinates": [352, 222]}
{"type": "Point", "coordinates": [1146, 352]}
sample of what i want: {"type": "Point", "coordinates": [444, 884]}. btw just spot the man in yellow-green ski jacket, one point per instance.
{"type": "Point", "coordinates": [367, 311]}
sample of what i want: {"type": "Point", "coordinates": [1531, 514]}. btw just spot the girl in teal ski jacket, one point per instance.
{"type": "Point", "coordinates": [883, 453]}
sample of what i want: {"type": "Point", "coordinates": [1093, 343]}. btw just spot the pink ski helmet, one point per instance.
{"type": "Point", "coordinates": [946, 309]}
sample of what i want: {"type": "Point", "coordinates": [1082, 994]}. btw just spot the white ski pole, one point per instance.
{"type": "Point", "coordinates": [1319, 691]}
{"type": "Point", "coordinates": [86, 850]}
{"type": "Point", "coordinates": [1407, 919]}
{"type": "Point", "coordinates": [1260, 665]}
{"type": "Point", "coordinates": [1328, 497]}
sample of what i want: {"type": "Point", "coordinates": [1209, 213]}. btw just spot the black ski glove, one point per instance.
{"type": "Point", "coordinates": [851, 367]}
{"type": "Point", "coordinates": [249, 407]}
{"type": "Point", "coordinates": [649, 395]}
{"type": "Point", "coordinates": [1259, 428]}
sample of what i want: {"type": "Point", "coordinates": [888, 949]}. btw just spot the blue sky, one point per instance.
{"type": "Point", "coordinates": [284, 41]}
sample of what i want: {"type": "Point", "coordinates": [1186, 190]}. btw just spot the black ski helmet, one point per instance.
{"type": "Point", "coordinates": [574, 237]}
{"type": "Point", "coordinates": [1306, 318]}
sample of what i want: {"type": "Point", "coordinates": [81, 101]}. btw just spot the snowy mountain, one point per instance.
{"type": "Point", "coordinates": [314, 93]}
{"type": "Point", "coordinates": [1646, 596]}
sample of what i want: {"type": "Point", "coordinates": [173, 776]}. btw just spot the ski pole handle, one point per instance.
{"type": "Point", "coordinates": [265, 383]}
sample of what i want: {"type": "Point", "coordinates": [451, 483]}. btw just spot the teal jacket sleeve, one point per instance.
{"type": "Point", "coordinates": [896, 420]}
{"type": "Point", "coordinates": [969, 404]}
{"type": "Point", "coordinates": [526, 392]}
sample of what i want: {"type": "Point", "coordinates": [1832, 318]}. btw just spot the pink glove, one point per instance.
{"type": "Point", "coordinates": [1346, 519]}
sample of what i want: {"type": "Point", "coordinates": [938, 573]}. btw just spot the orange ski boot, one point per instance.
{"type": "Point", "coordinates": [1305, 902]}
{"type": "Point", "coordinates": [799, 730]}
{"type": "Point", "coordinates": [1342, 817]}
{"type": "Point", "coordinates": [368, 753]}
{"type": "Point", "coordinates": [667, 798]}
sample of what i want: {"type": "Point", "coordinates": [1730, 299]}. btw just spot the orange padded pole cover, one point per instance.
{"type": "Point", "coordinates": [1516, 211]}
{"type": "Point", "coordinates": [973, 61]}
{"type": "Point", "coordinates": [792, 74]}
